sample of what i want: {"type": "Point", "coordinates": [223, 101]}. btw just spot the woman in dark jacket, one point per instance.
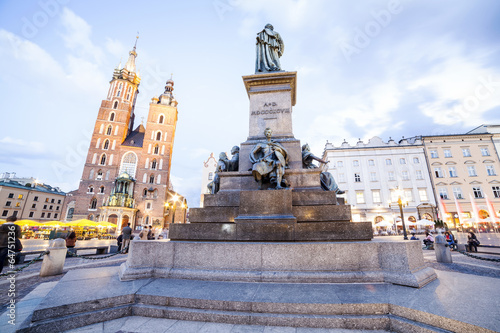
{"type": "Point", "coordinates": [472, 241]}
{"type": "Point", "coordinates": [71, 240]}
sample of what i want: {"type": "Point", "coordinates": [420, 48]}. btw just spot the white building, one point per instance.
{"type": "Point", "coordinates": [207, 175]}
{"type": "Point", "coordinates": [372, 173]}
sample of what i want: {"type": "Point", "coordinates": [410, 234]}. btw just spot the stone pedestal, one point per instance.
{"type": "Point", "coordinates": [53, 263]}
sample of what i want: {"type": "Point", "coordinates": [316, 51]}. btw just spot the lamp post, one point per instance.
{"type": "Point", "coordinates": [401, 204]}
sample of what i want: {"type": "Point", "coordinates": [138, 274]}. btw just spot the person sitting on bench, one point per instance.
{"type": "Point", "coordinates": [472, 241]}
{"type": "Point", "coordinates": [429, 239]}
{"type": "Point", "coordinates": [450, 239]}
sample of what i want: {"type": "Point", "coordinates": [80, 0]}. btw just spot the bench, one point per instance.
{"type": "Point", "coordinates": [486, 249]}
{"type": "Point", "coordinates": [98, 249]}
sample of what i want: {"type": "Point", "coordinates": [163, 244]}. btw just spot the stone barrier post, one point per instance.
{"type": "Point", "coordinates": [53, 263]}
{"type": "Point", "coordinates": [443, 253]}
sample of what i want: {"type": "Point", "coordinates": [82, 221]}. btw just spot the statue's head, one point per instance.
{"type": "Point", "coordinates": [268, 132]}
{"type": "Point", "coordinates": [235, 150]}
{"type": "Point", "coordinates": [306, 147]}
{"type": "Point", "coordinates": [223, 156]}
{"type": "Point", "coordinates": [269, 26]}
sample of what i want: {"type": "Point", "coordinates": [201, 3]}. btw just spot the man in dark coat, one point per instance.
{"type": "Point", "coordinates": [12, 231]}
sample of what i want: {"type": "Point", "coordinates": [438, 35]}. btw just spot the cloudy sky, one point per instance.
{"type": "Point", "coordinates": [365, 68]}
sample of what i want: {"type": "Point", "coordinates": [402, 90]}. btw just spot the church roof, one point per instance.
{"type": "Point", "coordinates": [135, 138]}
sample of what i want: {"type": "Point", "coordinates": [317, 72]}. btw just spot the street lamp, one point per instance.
{"type": "Point", "coordinates": [402, 203]}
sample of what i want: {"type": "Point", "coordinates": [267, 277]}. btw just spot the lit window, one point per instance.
{"type": "Point", "coordinates": [376, 196]}
{"type": "Point", "coordinates": [360, 197]}
{"type": "Point", "coordinates": [20, 196]}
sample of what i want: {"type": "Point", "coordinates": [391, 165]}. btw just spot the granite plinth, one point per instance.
{"type": "Point", "coordinates": [299, 179]}
{"type": "Point", "coordinates": [213, 214]}
{"type": "Point", "coordinates": [305, 262]}
{"type": "Point", "coordinates": [272, 96]}
{"type": "Point", "coordinates": [436, 308]}
{"type": "Point", "coordinates": [265, 203]}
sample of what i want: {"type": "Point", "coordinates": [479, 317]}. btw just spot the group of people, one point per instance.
{"type": "Point", "coordinates": [472, 241]}
{"type": "Point", "coordinates": [123, 240]}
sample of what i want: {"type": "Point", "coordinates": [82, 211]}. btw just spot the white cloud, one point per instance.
{"type": "Point", "coordinates": [77, 36]}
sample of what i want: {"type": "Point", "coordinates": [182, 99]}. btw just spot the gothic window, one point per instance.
{"type": "Point", "coordinates": [160, 121]}
{"type": "Point", "coordinates": [156, 150]}
{"type": "Point", "coordinates": [129, 164]}
{"type": "Point", "coordinates": [99, 175]}
{"type": "Point", "coordinates": [152, 179]}
{"type": "Point", "coordinates": [112, 116]}
{"type": "Point", "coordinates": [90, 189]}
{"type": "Point", "coordinates": [158, 136]}
{"type": "Point", "coordinates": [106, 145]}
{"type": "Point", "coordinates": [145, 192]}
{"type": "Point", "coordinates": [119, 90]}
{"type": "Point", "coordinates": [93, 203]}
{"type": "Point", "coordinates": [128, 92]}
{"type": "Point", "coordinates": [103, 159]}
{"type": "Point", "coordinates": [101, 190]}
{"type": "Point", "coordinates": [109, 130]}
{"type": "Point", "coordinates": [115, 105]}
{"type": "Point", "coordinates": [153, 164]}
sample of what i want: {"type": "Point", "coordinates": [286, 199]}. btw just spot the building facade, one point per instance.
{"type": "Point", "coordinates": [38, 202]}
{"type": "Point", "coordinates": [207, 175]}
{"type": "Point", "coordinates": [464, 171]}
{"type": "Point", "coordinates": [127, 171]}
{"type": "Point", "coordinates": [374, 175]}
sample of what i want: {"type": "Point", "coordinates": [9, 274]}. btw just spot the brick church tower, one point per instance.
{"type": "Point", "coordinates": [127, 171]}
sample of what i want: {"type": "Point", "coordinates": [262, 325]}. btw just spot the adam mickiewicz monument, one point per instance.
{"type": "Point", "coordinates": [272, 205]}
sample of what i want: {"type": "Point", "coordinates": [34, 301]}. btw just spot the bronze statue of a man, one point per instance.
{"type": "Point", "coordinates": [270, 48]}
{"type": "Point", "coordinates": [214, 185]}
{"type": "Point", "coordinates": [233, 164]}
{"type": "Point", "coordinates": [327, 181]}
{"type": "Point", "coordinates": [269, 160]}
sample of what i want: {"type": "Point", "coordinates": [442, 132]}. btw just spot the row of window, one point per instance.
{"type": "Point", "coordinates": [476, 190]}
{"type": "Point", "coordinates": [99, 174]}
{"type": "Point", "coordinates": [33, 206]}
{"type": "Point", "coordinates": [373, 176]}
{"type": "Point", "coordinates": [465, 152]}
{"type": "Point", "coordinates": [388, 161]}
{"type": "Point", "coordinates": [377, 198]}
{"type": "Point", "coordinates": [90, 190]}
{"type": "Point", "coordinates": [21, 196]}
{"type": "Point", "coordinates": [32, 214]}
{"type": "Point", "coordinates": [471, 170]}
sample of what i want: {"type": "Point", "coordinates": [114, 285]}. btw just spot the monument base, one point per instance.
{"type": "Point", "coordinates": [399, 263]}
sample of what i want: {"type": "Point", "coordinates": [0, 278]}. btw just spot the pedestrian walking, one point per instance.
{"type": "Point", "coordinates": [8, 232]}
{"type": "Point", "coordinates": [126, 234]}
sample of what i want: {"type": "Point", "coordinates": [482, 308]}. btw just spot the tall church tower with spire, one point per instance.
{"type": "Point", "coordinates": [127, 171]}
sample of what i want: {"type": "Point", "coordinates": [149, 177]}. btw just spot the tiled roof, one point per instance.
{"type": "Point", "coordinates": [39, 187]}
{"type": "Point", "coordinates": [135, 138]}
